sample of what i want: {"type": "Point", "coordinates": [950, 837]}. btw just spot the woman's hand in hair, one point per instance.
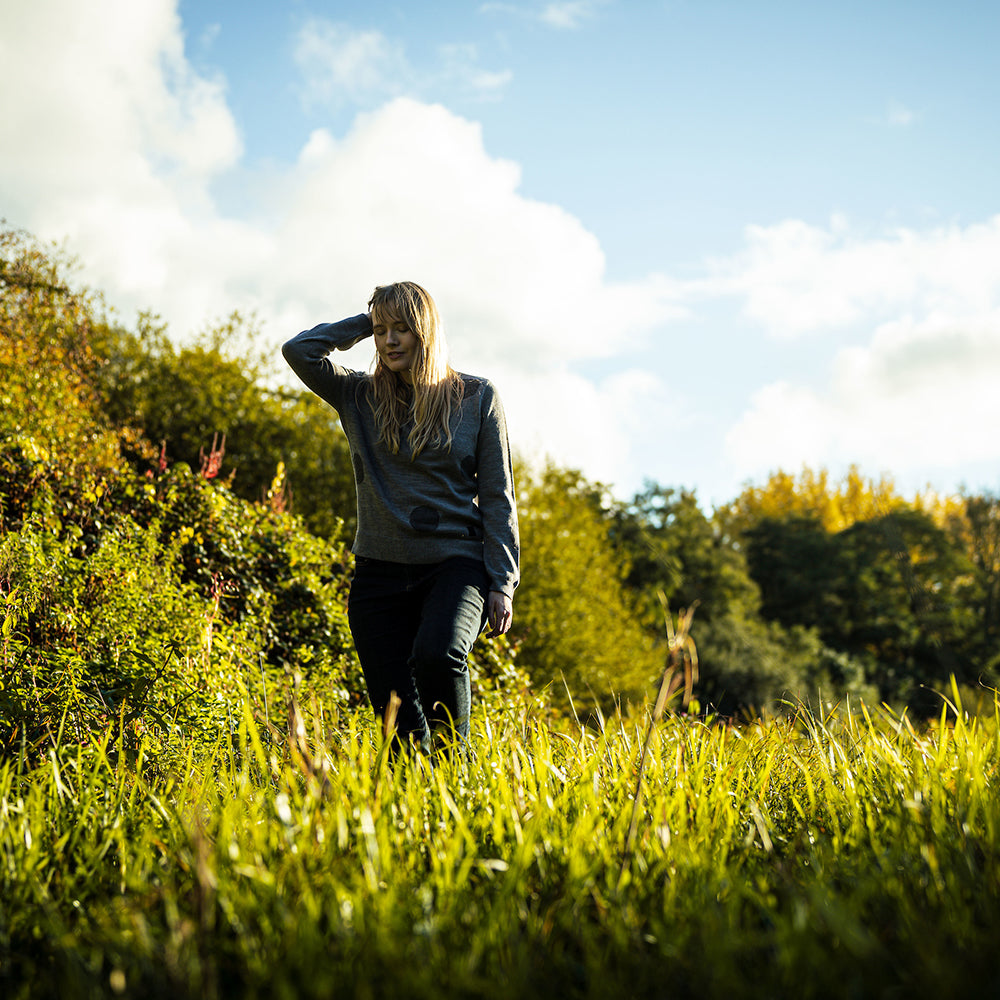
{"type": "Point", "coordinates": [499, 613]}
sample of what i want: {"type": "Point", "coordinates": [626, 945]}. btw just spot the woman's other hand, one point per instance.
{"type": "Point", "coordinates": [499, 613]}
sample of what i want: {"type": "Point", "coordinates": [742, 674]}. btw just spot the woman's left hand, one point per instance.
{"type": "Point", "coordinates": [499, 613]}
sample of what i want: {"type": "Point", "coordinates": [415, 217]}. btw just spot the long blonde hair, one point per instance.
{"type": "Point", "coordinates": [437, 387]}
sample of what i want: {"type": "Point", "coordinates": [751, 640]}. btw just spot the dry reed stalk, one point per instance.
{"type": "Point", "coordinates": [681, 667]}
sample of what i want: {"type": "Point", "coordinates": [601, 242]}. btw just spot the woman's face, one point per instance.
{"type": "Point", "coordinates": [397, 346]}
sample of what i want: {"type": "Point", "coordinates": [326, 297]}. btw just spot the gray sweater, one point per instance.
{"type": "Point", "coordinates": [443, 503]}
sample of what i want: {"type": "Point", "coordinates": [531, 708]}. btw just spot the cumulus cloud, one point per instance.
{"type": "Point", "coordinates": [114, 145]}
{"type": "Point", "coordinates": [905, 377]}
{"type": "Point", "coordinates": [410, 192]}
{"type": "Point", "coordinates": [116, 90]}
{"type": "Point", "coordinates": [608, 428]}
{"type": "Point", "coordinates": [921, 395]}
{"type": "Point", "coordinates": [795, 279]}
{"type": "Point", "coordinates": [117, 152]}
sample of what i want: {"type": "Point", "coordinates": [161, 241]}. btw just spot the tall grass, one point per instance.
{"type": "Point", "coordinates": [848, 855]}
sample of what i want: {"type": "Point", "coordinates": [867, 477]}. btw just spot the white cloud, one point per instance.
{"type": "Point", "coordinates": [569, 13]}
{"type": "Point", "coordinates": [459, 64]}
{"type": "Point", "coordinates": [116, 86]}
{"type": "Point", "coordinates": [922, 395]}
{"type": "Point", "coordinates": [795, 278]}
{"type": "Point", "coordinates": [117, 148]}
{"type": "Point", "coordinates": [608, 429]}
{"type": "Point", "coordinates": [905, 378]}
{"type": "Point", "coordinates": [114, 144]}
{"type": "Point", "coordinates": [559, 14]}
{"type": "Point", "coordinates": [411, 193]}
{"type": "Point", "coordinates": [787, 426]}
{"type": "Point", "coordinates": [342, 66]}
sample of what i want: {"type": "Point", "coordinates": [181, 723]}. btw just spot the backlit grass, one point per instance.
{"type": "Point", "coordinates": [847, 856]}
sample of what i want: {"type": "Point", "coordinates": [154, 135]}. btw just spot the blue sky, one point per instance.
{"type": "Point", "coordinates": [690, 241]}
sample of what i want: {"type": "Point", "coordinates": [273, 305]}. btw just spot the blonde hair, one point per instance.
{"type": "Point", "coordinates": [437, 387]}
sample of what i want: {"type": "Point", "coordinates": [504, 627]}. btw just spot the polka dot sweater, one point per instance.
{"type": "Point", "coordinates": [457, 502]}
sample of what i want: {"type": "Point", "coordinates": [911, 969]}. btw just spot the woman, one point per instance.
{"type": "Point", "coordinates": [436, 551]}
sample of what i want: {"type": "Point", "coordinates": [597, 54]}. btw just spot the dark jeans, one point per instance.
{"type": "Point", "coordinates": [413, 628]}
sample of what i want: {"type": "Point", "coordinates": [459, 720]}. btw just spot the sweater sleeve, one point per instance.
{"type": "Point", "coordinates": [307, 353]}
{"type": "Point", "coordinates": [495, 474]}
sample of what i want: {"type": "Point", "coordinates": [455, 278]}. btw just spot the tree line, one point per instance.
{"type": "Point", "coordinates": [118, 440]}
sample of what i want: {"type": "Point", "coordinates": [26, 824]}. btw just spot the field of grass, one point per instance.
{"type": "Point", "coordinates": [851, 856]}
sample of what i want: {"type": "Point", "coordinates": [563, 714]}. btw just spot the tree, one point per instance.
{"type": "Point", "coordinates": [977, 530]}
{"type": "Point", "coordinates": [49, 409]}
{"type": "Point", "coordinates": [676, 549]}
{"type": "Point", "coordinates": [907, 592]}
{"type": "Point", "coordinates": [795, 562]}
{"type": "Point", "coordinates": [895, 592]}
{"type": "Point", "coordinates": [836, 505]}
{"type": "Point", "coordinates": [746, 662]}
{"type": "Point", "coordinates": [573, 618]}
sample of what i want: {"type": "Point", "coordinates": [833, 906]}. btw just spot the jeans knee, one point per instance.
{"type": "Point", "coordinates": [430, 661]}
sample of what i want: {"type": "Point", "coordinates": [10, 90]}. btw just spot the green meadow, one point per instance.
{"type": "Point", "coordinates": [848, 856]}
